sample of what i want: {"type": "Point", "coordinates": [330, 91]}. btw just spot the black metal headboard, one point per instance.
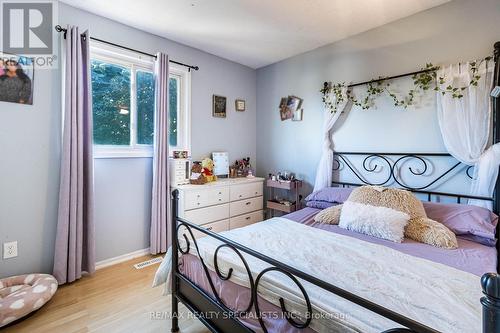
{"type": "Point", "coordinates": [392, 166]}
{"type": "Point", "coordinates": [395, 164]}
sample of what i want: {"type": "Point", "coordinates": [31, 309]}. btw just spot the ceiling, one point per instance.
{"type": "Point", "coordinates": [255, 33]}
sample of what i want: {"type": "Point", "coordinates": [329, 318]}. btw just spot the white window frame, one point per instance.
{"type": "Point", "coordinates": [184, 104]}
{"type": "Point", "coordinates": [136, 62]}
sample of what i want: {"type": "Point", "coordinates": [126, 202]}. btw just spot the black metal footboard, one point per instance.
{"type": "Point", "coordinates": [220, 318]}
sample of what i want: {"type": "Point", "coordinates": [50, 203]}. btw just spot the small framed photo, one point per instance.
{"type": "Point", "coordinates": [219, 106]}
{"type": "Point", "coordinates": [282, 107]}
{"type": "Point", "coordinates": [180, 153]}
{"type": "Point", "coordinates": [297, 115]}
{"type": "Point", "coordinates": [16, 79]}
{"type": "Point", "coordinates": [293, 104]}
{"type": "Point", "coordinates": [288, 106]}
{"type": "Point", "coordinates": [240, 105]}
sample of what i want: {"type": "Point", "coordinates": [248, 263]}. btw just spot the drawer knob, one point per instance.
{"type": "Point", "coordinates": [198, 195]}
{"type": "Point", "coordinates": [198, 203]}
{"type": "Point", "coordinates": [241, 195]}
{"type": "Point", "coordinates": [247, 203]}
{"type": "Point", "coordinates": [247, 218]}
{"type": "Point", "coordinates": [256, 192]}
{"type": "Point", "coordinates": [220, 192]}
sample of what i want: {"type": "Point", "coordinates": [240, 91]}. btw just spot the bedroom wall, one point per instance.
{"type": "Point", "coordinates": [30, 144]}
{"type": "Point", "coordinates": [458, 30]}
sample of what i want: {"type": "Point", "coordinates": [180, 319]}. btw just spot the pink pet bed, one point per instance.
{"type": "Point", "coordinates": [23, 294]}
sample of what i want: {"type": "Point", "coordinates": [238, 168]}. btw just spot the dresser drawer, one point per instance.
{"type": "Point", "coordinates": [218, 226]}
{"type": "Point", "coordinates": [244, 191]}
{"type": "Point", "coordinates": [206, 197]}
{"type": "Point", "coordinates": [246, 206]}
{"type": "Point", "coordinates": [207, 214]}
{"type": "Point", "coordinates": [246, 219]}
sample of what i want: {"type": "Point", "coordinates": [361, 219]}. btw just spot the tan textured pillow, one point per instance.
{"type": "Point", "coordinates": [330, 215]}
{"type": "Point", "coordinates": [420, 228]}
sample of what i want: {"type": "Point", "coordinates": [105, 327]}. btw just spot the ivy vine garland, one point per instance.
{"type": "Point", "coordinates": [425, 80]}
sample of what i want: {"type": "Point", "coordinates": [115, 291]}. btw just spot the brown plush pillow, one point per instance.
{"type": "Point", "coordinates": [330, 215]}
{"type": "Point", "coordinates": [420, 228]}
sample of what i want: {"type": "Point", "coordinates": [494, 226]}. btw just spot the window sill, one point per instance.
{"type": "Point", "coordinates": [122, 153]}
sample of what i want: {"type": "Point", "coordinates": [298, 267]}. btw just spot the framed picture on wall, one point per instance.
{"type": "Point", "coordinates": [282, 107]}
{"type": "Point", "coordinates": [219, 106]}
{"type": "Point", "coordinates": [293, 104]}
{"type": "Point", "coordinates": [239, 105]}
{"type": "Point", "coordinates": [297, 115]}
{"type": "Point", "coordinates": [16, 79]}
{"type": "Point", "coordinates": [288, 106]}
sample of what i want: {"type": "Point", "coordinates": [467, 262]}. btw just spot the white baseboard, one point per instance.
{"type": "Point", "coordinates": [122, 258]}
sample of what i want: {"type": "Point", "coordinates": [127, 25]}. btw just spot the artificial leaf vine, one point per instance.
{"type": "Point", "coordinates": [425, 80]}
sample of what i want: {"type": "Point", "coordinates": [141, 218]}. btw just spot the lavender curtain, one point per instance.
{"type": "Point", "coordinates": [160, 216]}
{"type": "Point", "coordinates": [74, 248]}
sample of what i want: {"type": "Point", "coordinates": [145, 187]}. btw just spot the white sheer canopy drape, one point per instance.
{"type": "Point", "coordinates": [465, 124]}
{"type": "Point", "coordinates": [324, 170]}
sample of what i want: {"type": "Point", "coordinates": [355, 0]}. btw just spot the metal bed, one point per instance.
{"type": "Point", "coordinates": [204, 306]}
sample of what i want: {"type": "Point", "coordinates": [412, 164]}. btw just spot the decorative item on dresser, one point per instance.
{"type": "Point", "coordinates": [222, 205]}
{"type": "Point", "coordinates": [283, 205]}
{"type": "Point", "coordinates": [241, 168]}
{"type": "Point", "coordinates": [221, 163]}
{"type": "Point", "coordinates": [180, 154]}
{"type": "Point", "coordinates": [179, 171]}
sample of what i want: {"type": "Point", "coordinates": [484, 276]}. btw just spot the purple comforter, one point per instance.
{"type": "Point", "coordinates": [470, 257]}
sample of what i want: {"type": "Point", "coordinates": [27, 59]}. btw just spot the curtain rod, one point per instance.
{"type": "Point", "coordinates": [383, 78]}
{"type": "Point", "coordinates": [497, 51]}
{"type": "Point", "coordinates": [391, 77]}
{"type": "Point", "coordinates": [61, 29]}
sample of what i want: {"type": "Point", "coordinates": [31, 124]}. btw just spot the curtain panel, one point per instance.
{"type": "Point", "coordinates": [466, 123]}
{"type": "Point", "coordinates": [160, 208]}
{"type": "Point", "coordinates": [74, 246]}
{"type": "Point", "coordinates": [324, 170]}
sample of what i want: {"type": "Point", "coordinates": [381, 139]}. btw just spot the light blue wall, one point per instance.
{"type": "Point", "coordinates": [459, 30]}
{"type": "Point", "coordinates": [30, 144]}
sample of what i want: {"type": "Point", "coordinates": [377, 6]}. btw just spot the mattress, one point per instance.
{"type": "Point", "coordinates": [470, 257]}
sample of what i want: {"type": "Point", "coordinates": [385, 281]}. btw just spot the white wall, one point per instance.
{"type": "Point", "coordinates": [459, 30]}
{"type": "Point", "coordinates": [30, 145]}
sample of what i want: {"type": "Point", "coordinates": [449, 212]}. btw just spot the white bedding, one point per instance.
{"type": "Point", "coordinates": [434, 294]}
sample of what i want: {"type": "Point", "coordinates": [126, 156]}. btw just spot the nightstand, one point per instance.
{"type": "Point", "coordinates": [291, 186]}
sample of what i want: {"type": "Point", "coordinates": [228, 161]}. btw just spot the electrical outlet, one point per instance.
{"type": "Point", "coordinates": [10, 250]}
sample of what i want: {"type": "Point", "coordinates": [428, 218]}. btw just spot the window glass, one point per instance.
{"type": "Point", "coordinates": [173, 110]}
{"type": "Point", "coordinates": [110, 103]}
{"type": "Point", "coordinates": [123, 92]}
{"type": "Point", "coordinates": [145, 107]}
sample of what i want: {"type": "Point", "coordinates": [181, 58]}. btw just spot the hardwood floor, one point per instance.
{"type": "Point", "coordinates": [118, 298]}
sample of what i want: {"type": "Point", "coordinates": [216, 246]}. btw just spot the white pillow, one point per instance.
{"type": "Point", "coordinates": [375, 221]}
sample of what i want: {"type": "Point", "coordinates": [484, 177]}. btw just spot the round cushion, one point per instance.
{"type": "Point", "coordinates": [22, 294]}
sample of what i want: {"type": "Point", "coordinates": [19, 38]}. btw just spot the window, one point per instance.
{"type": "Point", "coordinates": [123, 93]}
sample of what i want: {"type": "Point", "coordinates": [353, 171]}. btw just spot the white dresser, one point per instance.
{"type": "Point", "coordinates": [222, 205]}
